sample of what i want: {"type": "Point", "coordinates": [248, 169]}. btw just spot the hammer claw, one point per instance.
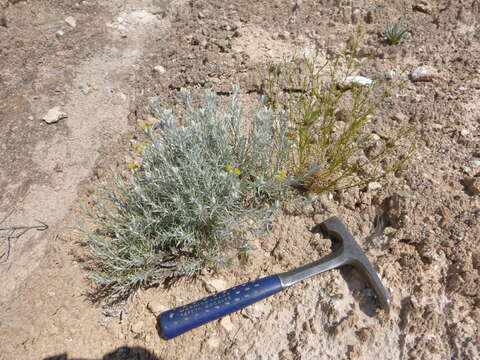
{"type": "Point", "coordinates": [349, 253]}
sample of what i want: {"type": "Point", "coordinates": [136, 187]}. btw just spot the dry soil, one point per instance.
{"type": "Point", "coordinates": [99, 68]}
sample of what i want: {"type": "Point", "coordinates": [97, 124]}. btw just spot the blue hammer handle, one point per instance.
{"type": "Point", "coordinates": [175, 322]}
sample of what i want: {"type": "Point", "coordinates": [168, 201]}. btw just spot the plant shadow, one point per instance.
{"type": "Point", "coordinates": [121, 353]}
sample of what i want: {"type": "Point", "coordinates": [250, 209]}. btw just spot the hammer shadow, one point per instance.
{"type": "Point", "coordinates": [121, 353]}
{"type": "Point", "coordinates": [358, 286]}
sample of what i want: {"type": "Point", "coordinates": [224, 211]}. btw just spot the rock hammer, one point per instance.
{"type": "Point", "coordinates": [175, 322]}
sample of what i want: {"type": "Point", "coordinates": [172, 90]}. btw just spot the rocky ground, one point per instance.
{"type": "Point", "coordinates": [100, 61]}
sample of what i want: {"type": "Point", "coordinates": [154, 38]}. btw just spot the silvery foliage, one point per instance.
{"type": "Point", "coordinates": [187, 205]}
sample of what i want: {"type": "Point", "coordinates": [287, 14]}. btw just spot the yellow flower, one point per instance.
{"type": "Point", "coordinates": [146, 125]}
{"type": "Point", "coordinates": [132, 166]}
{"type": "Point", "coordinates": [231, 168]}
{"type": "Point", "coordinates": [139, 146]}
{"type": "Point", "coordinates": [281, 175]}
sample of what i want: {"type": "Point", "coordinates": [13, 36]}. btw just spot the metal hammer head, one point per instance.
{"type": "Point", "coordinates": [350, 253]}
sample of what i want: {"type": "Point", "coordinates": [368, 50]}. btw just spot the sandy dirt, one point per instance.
{"type": "Point", "coordinates": [100, 73]}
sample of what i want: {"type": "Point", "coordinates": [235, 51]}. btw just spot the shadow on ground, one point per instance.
{"type": "Point", "coordinates": [122, 353]}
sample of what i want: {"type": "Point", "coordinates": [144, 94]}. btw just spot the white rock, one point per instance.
{"type": "Point", "coordinates": [85, 89]}
{"type": "Point", "coordinates": [423, 73]}
{"type": "Point", "coordinates": [422, 6]}
{"type": "Point", "coordinates": [374, 186]}
{"type": "Point", "coordinates": [156, 307]}
{"type": "Point", "coordinates": [71, 21]}
{"type": "Point", "coordinates": [390, 74]}
{"type": "Point", "coordinates": [284, 35]}
{"type": "Point", "coordinates": [357, 80]}
{"type": "Point", "coordinates": [213, 342]}
{"type": "Point", "coordinates": [159, 69]}
{"type": "Point", "coordinates": [216, 285]}
{"type": "Point", "coordinates": [59, 34]}
{"type": "Point", "coordinates": [140, 17]}
{"type": "Point", "coordinates": [227, 324]}
{"type": "Point", "coordinates": [465, 132]}
{"type": "Point", "coordinates": [475, 163]}
{"type": "Point", "coordinates": [53, 115]}
{"type": "Point", "coordinates": [137, 327]}
{"type": "Point", "coordinates": [257, 310]}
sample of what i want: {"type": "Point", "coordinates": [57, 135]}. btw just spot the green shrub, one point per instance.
{"type": "Point", "coordinates": [203, 184]}
{"type": "Point", "coordinates": [394, 33]}
{"type": "Point", "coordinates": [328, 120]}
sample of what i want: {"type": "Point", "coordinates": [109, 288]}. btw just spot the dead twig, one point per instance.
{"type": "Point", "coordinates": [15, 232]}
{"type": "Point", "coordinates": [38, 227]}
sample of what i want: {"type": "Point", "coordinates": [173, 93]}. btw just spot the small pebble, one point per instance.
{"type": "Point", "coordinates": [215, 285]}
{"type": "Point", "coordinates": [137, 327]}
{"type": "Point", "coordinates": [85, 89]}
{"type": "Point", "coordinates": [390, 74]}
{"type": "Point", "coordinates": [357, 80]}
{"type": "Point", "coordinates": [156, 307]}
{"type": "Point", "coordinates": [227, 324]}
{"type": "Point", "coordinates": [313, 326]}
{"type": "Point", "coordinates": [374, 186]}
{"type": "Point", "coordinates": [257, 310]}
{"type": "Point", "coordinates": [475, 163]}
{"type": "Point", "coordinates": [159, 69]}
{"type": "Point", "coordinates": [472, 185]}
{"type": "Point", "coordinates": [214, 342]}
{"type": "Point", "coordinates": [317, 219]}
{"type": "Point", "coordinates": [59, 34]}
{"type": "Point", "coordinates": [422, 6]}
{"type": "Point", "coordinates": [308, 210]}
{"type": "Point", "coordinates": [284, 35]}
{"type": "Point", "coordinates": [369, 17]}
{"type": "Point", "coordinates": [356, 15]}
{"type": "Point", "coordinates": [70, 20]}
{"type": "Point", "coordinates": [54, 115]}
{"type": "Point", "coordinates": [423, 73]}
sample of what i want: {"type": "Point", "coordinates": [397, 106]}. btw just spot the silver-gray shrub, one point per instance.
{"type": "Point", "coordinates": [205, 181]}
